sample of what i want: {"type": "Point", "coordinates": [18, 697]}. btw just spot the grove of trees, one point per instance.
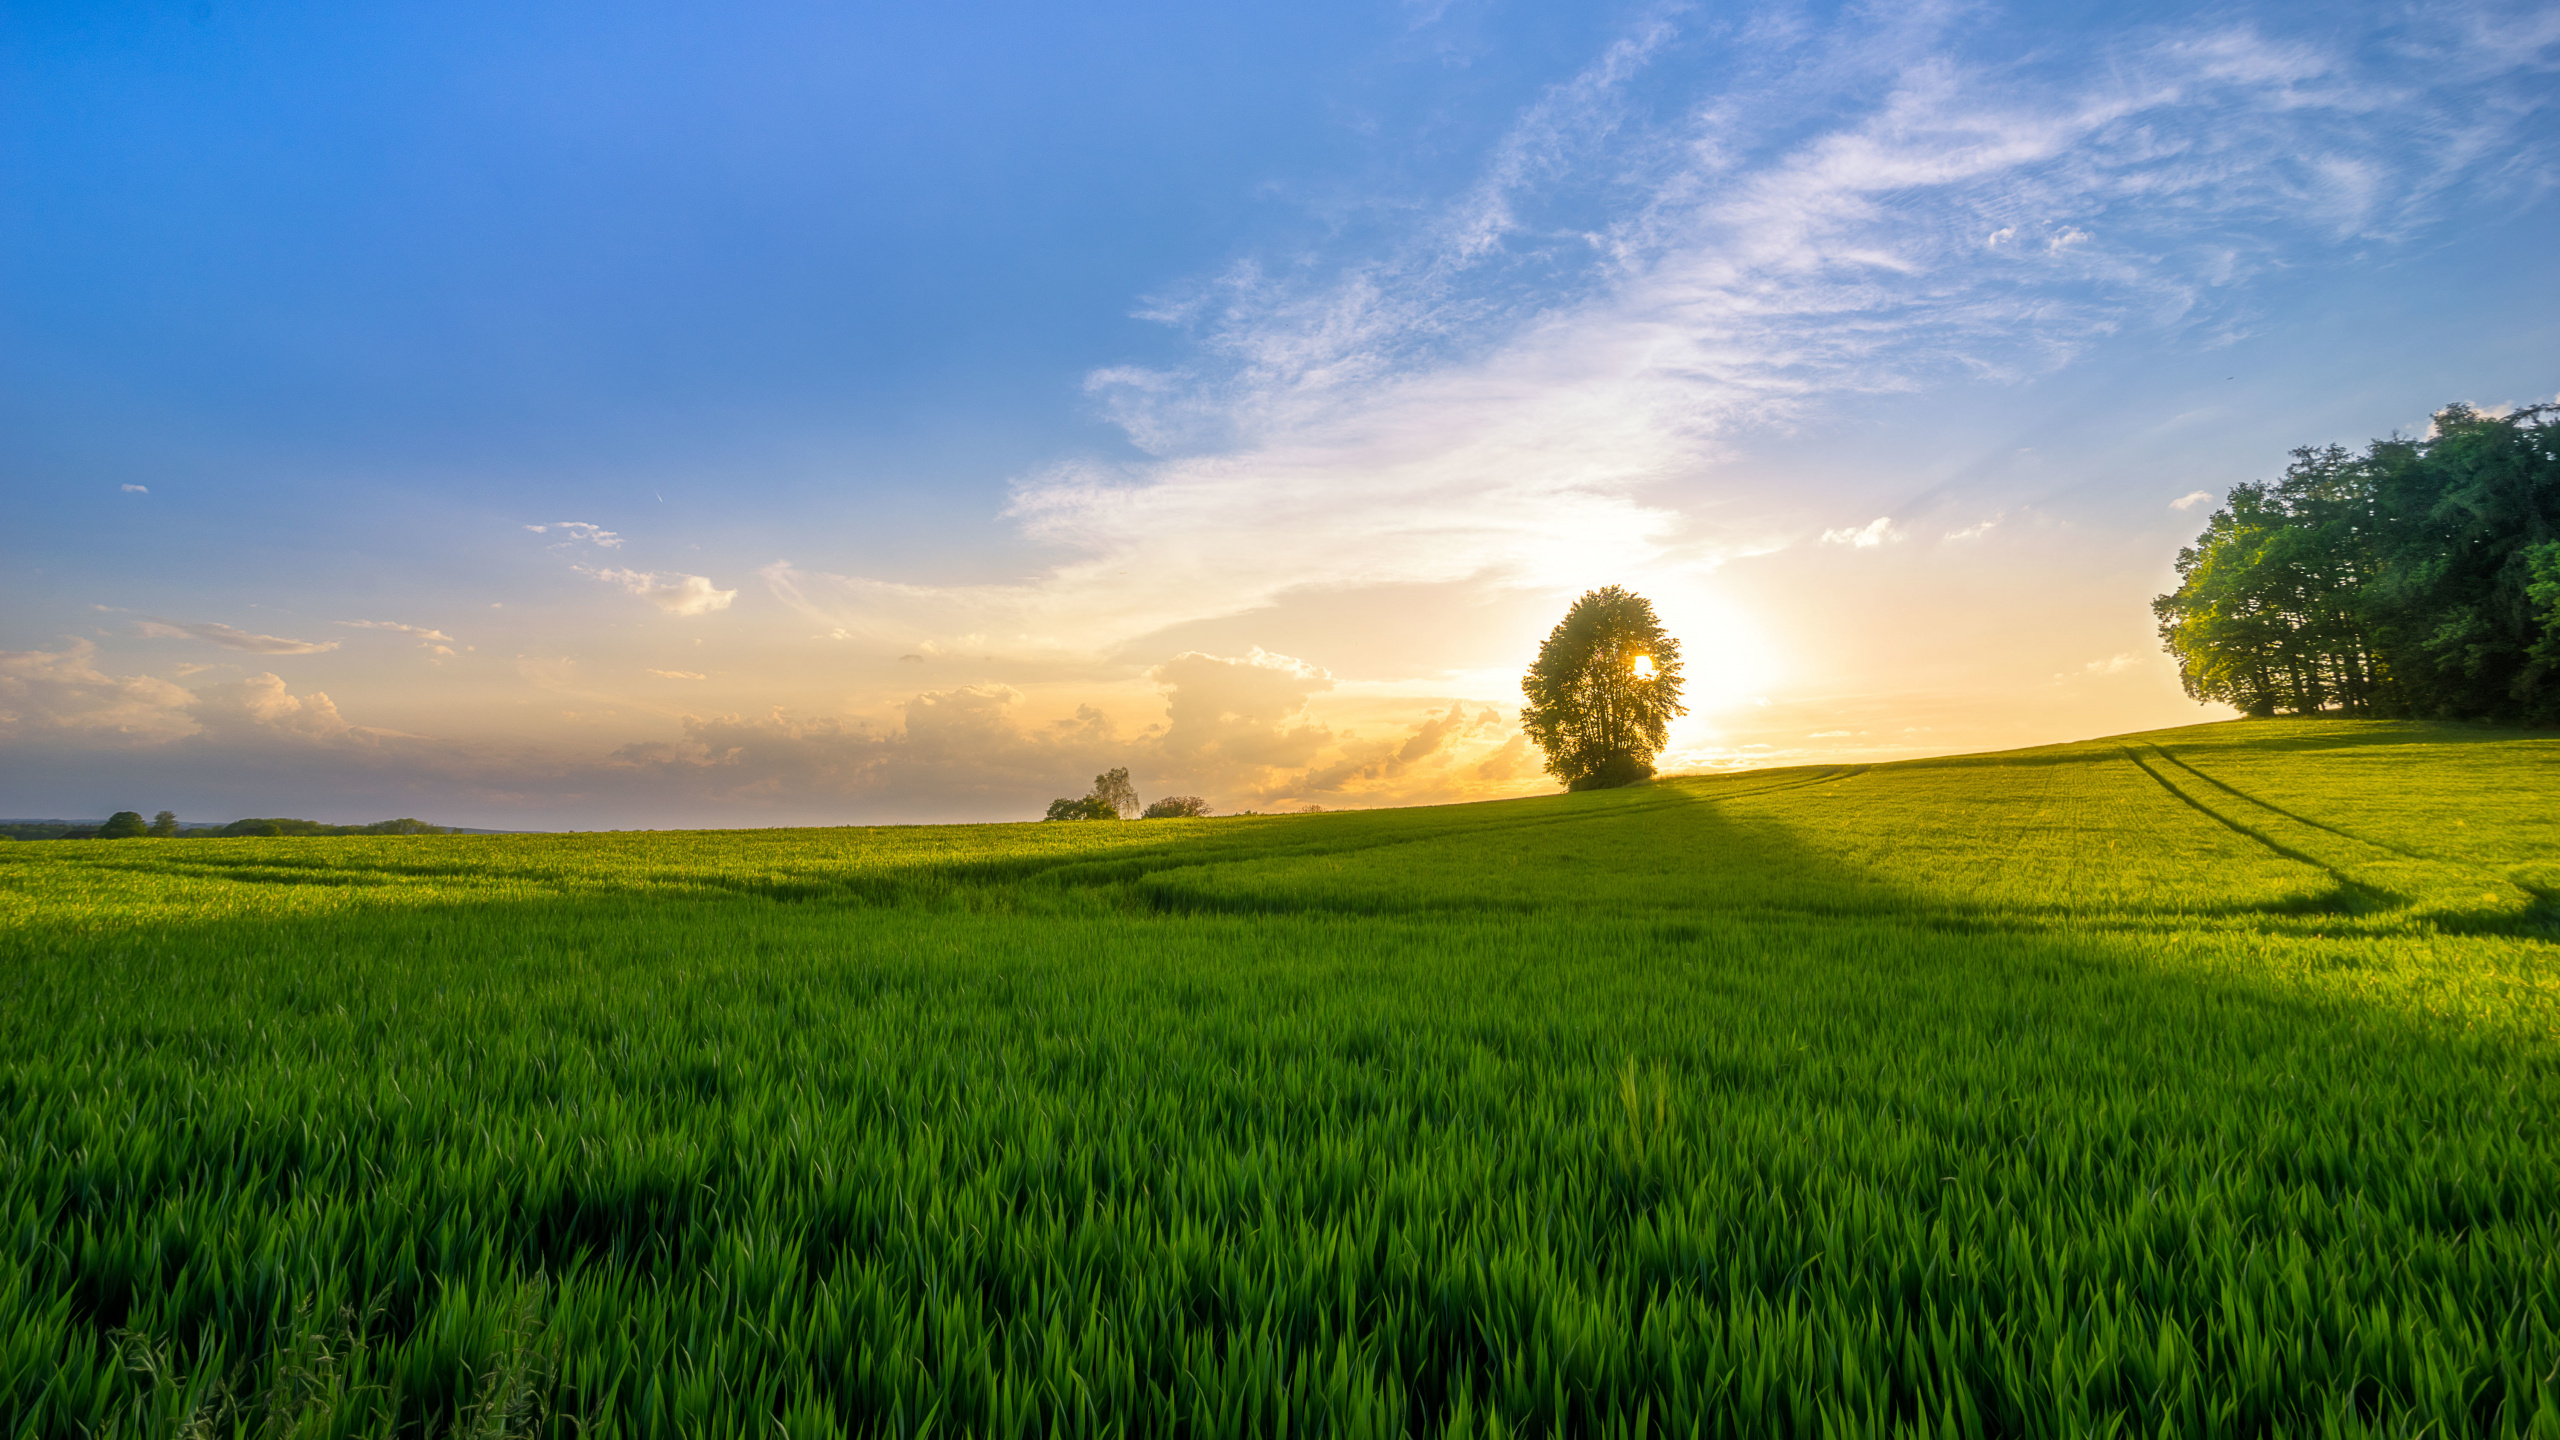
{"type": "Point", "coordinates": [1603, 691]}
{"type": "Point", "coordinates": [1115, 797]}
{"type": "Point", "coordinates": [2418, 578]}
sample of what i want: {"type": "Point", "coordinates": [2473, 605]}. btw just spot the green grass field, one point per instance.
{"type": "Point", "coordinates": [2193, 1083]}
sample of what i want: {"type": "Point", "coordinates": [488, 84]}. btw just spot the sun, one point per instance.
{"type": "Point", "coordinates": [1643, 666]}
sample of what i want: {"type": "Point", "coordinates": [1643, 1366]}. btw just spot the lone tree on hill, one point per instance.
{"type": "Point", "coordinates": [1603, 691]}
{"type": "Point", "coordinates": [123, 825]}
{"type": "Point", "coordinates": [1113, 798]}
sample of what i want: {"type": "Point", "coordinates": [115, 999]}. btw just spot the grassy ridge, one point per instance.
{"type": "Point", "coordinates": [2197, 1082]}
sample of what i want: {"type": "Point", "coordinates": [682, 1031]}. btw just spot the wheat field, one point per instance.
{"type": "Point", "coordinates": [2191, 1083]}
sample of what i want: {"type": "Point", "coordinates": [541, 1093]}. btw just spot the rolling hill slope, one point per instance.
{"type": "Point", "coordinates": [2196, 1081]}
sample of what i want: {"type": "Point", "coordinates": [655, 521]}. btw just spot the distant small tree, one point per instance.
{"type": "Point", "coordinates": [1177, 807]}
{"type": "Point", "coordinates": [165, 824]}
{"type": "Point", "coordinates": [1087, 808]}
{"type": "Point", "coordinates": [123, 825]}
{"type": "Point", "coordinates": [1603, 691]}
{"type": "Point", "coordinates": [1112, 789]}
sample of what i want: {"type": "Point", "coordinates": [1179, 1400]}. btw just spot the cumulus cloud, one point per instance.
{"type": "Point", "coordinates": [677, 594]}
{"type": "Point", "coordinates": [953, 745]}
{"type": "Point", "coordinates": [1864, 537]}
{"type": "Point", "coordinates": [1248, 712]}
{"type": "Point", "coordinates": [64, 695]}
{"type": "Point", "coordinates": [232, 638]}
{"type": "Point", "coordinates": [2191, 500]}
{"type": "Point", "coordinates": [573, 531]}
{"type": "Point", "coordinates": [263, 704]}
{"type": "Point", "coordinates": [1510, 762]}
{"type": "Point", "coordinates": [1237, 729]}
{"type": "Point", "coordinates": [1368, 764]}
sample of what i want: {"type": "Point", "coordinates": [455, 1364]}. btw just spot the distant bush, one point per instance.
{"type": "Point", "coordinates": [1087, 808]}
{"type": "Point", "coordinates": [124, 825]}
{"type": "Point", "coordinates": [1177, 807]}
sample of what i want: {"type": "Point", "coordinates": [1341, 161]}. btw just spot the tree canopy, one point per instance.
{"type": "Point", "coordinates": [2420, 578]}
{"type": "Point", "coordinates": [1603, 691]}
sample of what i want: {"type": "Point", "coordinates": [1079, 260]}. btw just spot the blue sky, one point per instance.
{"type": "Point", "coordinates": [924, 407]}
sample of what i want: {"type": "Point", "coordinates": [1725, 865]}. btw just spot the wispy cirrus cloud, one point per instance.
{"type": "Point", "coordinates": [1535, 387]}
{"type": "Point", "coordinates": [231, 637]}
{"type": "Point", "coordinates": [576, 531]}
{"type": "Point", "coordinates": [434, 642]}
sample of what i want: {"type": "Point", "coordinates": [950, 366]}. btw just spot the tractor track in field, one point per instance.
{"type": "Point", "coordinates": [2238, 793]}
{"type": "Point", "coordinates": [2261, 837]}
{"type": "Point", "coordinates": [2436, 878]}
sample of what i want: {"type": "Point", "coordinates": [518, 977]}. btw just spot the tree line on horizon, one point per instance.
{"type": "Point", "coordinates": [2419, 578]}
{"type": "Point", "coordinates": [129, 825]}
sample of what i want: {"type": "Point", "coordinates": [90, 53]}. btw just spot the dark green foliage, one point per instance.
{"type": "Point", "coordinates": [2396, 582]}
{"type": "Point", "coordinates": [1113, 798]}
{"type": "Point", "coordinates": [165, 824]}
{"type": "Point", "coordinates": [2199, 1084]}
{"type": "Point", "coordinates": [1177, 807]}
{"type": "Point", "coordinates": [1591, 707]}
{"type": "Point", "coordinates": [123, 825]}
{"type": "Point", "coordinates": [282, 826]}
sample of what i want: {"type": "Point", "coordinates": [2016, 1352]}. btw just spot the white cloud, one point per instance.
{"type": "Point", "coordinates": [232, 638]}
{"type": "Point", "coordinates": [1865, 537]}
{"type": "Point", "coordinates": [574, 531]}
{"type": "Point", "coordinates": [62, 694]}
{"type": "Point", "coordinates": [2112, 665]}
{"type": "Point", "coordinates": [677, 594]}
{"type": "Point", "coordinates": [1976, 530]}
{"type": "Point", "coordinates": [136, 489]}
{"type": "Point", "coordinates": [434, 642]}
{"type": "Point", "coordinates": [2191, 500]}
{"type": "Point", "coordinates": [677, 674]}
{"type": "Point", "coordinates": [262, 703]}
